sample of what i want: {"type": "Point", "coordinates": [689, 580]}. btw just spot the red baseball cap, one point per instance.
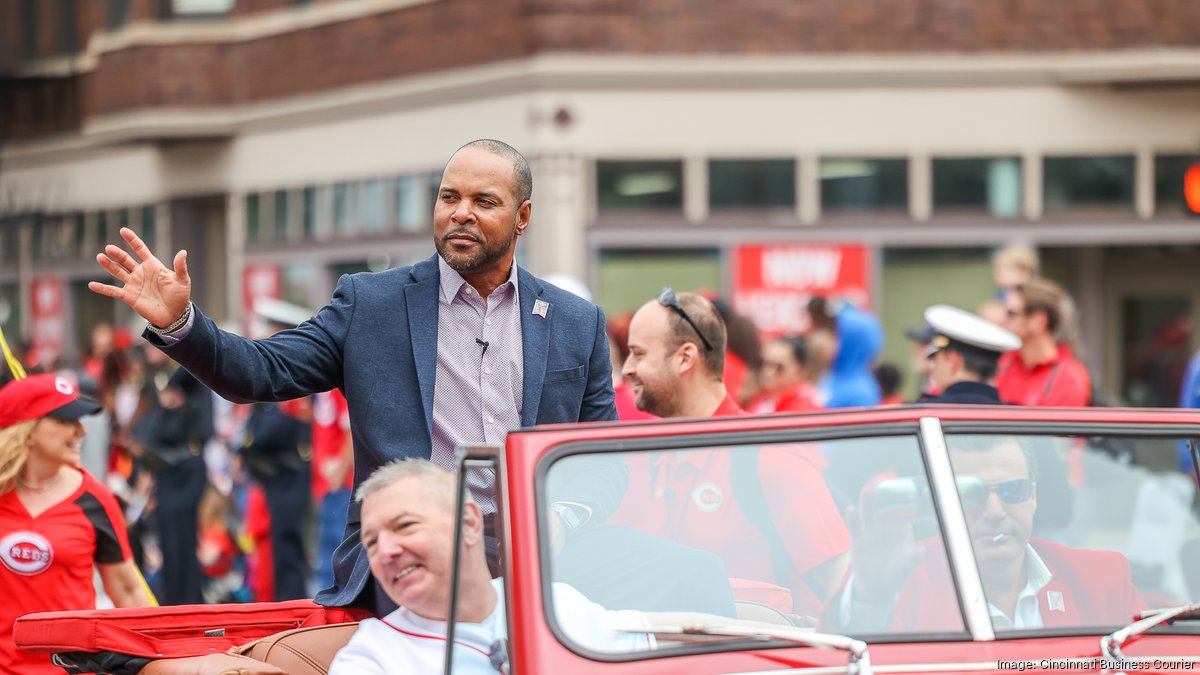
{"type": "Point", "coordinates": [43, 396]}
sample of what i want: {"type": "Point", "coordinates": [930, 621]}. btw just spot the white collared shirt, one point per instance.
{"type": "Point", "coordinates": [1029, 611]}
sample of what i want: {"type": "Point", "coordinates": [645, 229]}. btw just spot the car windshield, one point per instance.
{"type": "Point", "coordinates": [760, 533]}
{"type": "Point", "coordinates": [1078, 531]}
{"type": "Point", "coordinates": [1066, 532]}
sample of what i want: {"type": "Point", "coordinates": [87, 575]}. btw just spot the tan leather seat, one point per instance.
{"type": "Point", "coordinates": [211, 664]}
{"type": "Point", "coordinates": [302, 651]}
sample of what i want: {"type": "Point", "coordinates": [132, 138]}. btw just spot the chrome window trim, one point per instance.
{"type": "Point", "coordinates": [955, 532]}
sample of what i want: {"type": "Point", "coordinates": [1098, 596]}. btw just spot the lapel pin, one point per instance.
{"type": "Point", "coordinates": [540, 307]}
{"type": "Point", "coordinates": [1055, 600]}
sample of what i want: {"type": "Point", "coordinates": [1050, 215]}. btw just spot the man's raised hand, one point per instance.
{"type": "Point", "coordinates": [160, 295]}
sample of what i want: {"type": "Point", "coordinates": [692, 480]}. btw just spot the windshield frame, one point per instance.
{"type": "Point", "coordinates": [699, 439]}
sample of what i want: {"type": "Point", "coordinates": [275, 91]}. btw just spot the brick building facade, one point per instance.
{"type": "Point", "coordinates": [290, 141]}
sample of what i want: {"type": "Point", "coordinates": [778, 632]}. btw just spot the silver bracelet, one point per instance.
{"type": "Point", "coordinates": [176, 325]}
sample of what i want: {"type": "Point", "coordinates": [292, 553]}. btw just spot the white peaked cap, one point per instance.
{"type": "Point", "coordinates": [569, 284]}
{"type": "Point", "coordinates": [968, 328]}
{"type": "Point", "coordinates": [281, 312]}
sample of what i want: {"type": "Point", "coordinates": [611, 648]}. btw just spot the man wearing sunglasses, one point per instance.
{"type": "Point", "coordinates": [963, 352]}
{"type": "Point", "coordinates": [899, 584]}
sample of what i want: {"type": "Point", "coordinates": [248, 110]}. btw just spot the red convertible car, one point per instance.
{"type": "Point", "coordinates": [896, 540]}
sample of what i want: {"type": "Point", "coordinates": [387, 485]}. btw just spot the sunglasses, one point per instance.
{"type": "Point", "coordinates": [667, 299]}
{"type": "Point", "coordinates": [975, 493]}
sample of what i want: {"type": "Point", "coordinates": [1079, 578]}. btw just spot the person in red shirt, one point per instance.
{"type": "Point", "coordinates": [332, 476]}
{"type": "Point", "coordinates": [1042, 372]}
{"type": "Point", "coordinates": [784, 378]}
{"type": "Point", "coordinates": [675, 366]}
{"type": "Point", "coordinates": [899, 584]}
{"type": "Point", "coordinates": [56, 520]}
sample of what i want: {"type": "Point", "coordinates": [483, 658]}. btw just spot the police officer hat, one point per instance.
{"type": "Point", "coordinates": [963, 329]}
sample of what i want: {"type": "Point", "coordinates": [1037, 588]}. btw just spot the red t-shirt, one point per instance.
{"type": "Point", "coordinates": [693, 502]}
{"type": "Point", "coordinates": [46, 561]}
{"type": "Point", "coordinates": [800, 397]}
{"type": "Point", "coordinates": [331, 426]}
{"type": "Point", "coordinates": [1061, 381]}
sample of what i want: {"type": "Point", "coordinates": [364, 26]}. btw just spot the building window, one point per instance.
{"type": "Point", "coordinates": [188, 9]}
{"type": "Point", "coordinates": [280, 215]}
{"type": "Point", "coordinates": [10, 242]}
{"type": "Point", "coordinates": [415, 195]}
{"type": "Point", "coordinates": [992, 184]}
{"type": "Point", "coordinates": [117, 14]}
{"type": "Point", "coordinates": [864, 184]}
{"type": "Point", "coordinates": [752, 183]}
{"type": "Point", "coordinates": [29, 29]}
{"type": "Point", "coordinates": [104, 234]}
{"type": "Point", "coordinates": [1088, 183]}
{"type": "Point", "coordinates": [68, 29]}
{"type": "Point", "coordinates": [253, 222]}
{"type": "Point", "coordinates": [149, 229]}
{"type": "Point", "coordinates": [78, 237]}
{"type": "Point", "coordinates": [1168, 182]}
{"type": "Point", "coordinates": [371, 206]}
{"type": "Point", "coordinates": [341, 211]}
{"type": "Point", "coordinates": [640, 185]}
{"type": "Point", "coordinates": [308, 212]}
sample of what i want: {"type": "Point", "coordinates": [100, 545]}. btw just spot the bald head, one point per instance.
{"type": "Point", "coordinates": [522, 176]}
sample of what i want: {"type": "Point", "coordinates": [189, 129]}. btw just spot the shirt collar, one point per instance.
{"type": "Point", "coordinates": [1035, 571]}
{"type": "Point", "coordinates": [1037, 576]}
{"type": "Point", "coordinates": [451, 282]}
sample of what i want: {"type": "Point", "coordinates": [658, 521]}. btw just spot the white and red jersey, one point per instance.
{"type": "Point", "coordinates": [46, 561]}
{"type": "Point", "coordinates": [403, 642]}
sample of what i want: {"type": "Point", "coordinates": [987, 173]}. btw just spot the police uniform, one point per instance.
{"type": "Point", "coordinates": [966, 332]}
{"type": "Point", "coordinates": [277, 453]}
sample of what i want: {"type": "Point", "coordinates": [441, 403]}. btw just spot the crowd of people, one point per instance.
{"type": "Point", "coordinates": [211, 491]}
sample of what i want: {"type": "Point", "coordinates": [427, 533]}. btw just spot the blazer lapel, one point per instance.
{"type": "Point", "coordinates": [421, 301]}
{"type": "Point", "coordinates": [535, 331]}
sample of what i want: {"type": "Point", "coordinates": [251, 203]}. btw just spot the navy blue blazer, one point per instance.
{"type": "Point", "coordinates": [377, 341]}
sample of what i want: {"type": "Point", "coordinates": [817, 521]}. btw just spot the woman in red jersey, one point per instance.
{"type": "Point", "coordinates": [56, 520]}
{"type": "Point", "coordinates": [784, 378]}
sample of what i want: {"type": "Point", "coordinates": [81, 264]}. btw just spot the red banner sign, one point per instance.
{"type": "Point", "coordinates": [773, 283]}
{"type": "Point", "coordinates": [48, 320]}
{"type": "Point", "coordinates": [258, 282]}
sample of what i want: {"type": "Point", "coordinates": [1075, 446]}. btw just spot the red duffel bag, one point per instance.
{"type": "Point", "coordinates": [168, 632]}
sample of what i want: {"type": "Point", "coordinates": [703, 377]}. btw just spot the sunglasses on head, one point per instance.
{"type": "Point", "coordinates": [667, 299]}
{"type": "Point", "coordinates": [975, 492]}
